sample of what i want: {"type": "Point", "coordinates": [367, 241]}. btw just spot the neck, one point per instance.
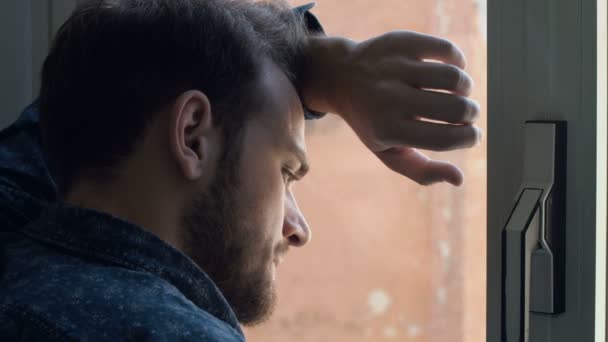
{"type": "Point", "coordinates": [134, 201]}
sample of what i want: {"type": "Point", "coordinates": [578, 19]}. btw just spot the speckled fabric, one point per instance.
{"type": "Point", "coordinates": [83, 274]}
{"type": "Point", "coordinates": [72, 273]}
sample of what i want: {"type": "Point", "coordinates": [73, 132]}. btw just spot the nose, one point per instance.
{"type": "Point", "coordinates": [295, 227]}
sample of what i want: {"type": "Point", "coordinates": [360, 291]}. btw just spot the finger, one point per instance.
{"type": "Point", "coordinates": [420, 168]}
{"type": "Point", "coordinates": [441, 106]}
{"type": "Point", "coordinates": [439, 76]}
{"type": "Point", "coordinates": [430, 135]}
{"type": "Point", "coordinates": [423, 46]}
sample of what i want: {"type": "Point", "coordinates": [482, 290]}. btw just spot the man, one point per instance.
{"type": "Point", "coordinates": [173, 130]}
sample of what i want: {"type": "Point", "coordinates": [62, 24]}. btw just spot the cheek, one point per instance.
{"type": "Point", "coordinates": [270, 196]}
{"type": "Point", "coordinates": [262, 219]}
{"type": "Point", "coordinates": [264, 198]}
{"type": "Point", "coordinates": [262, 190]}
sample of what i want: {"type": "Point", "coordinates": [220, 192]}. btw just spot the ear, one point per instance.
{"type": "Point", "coordinates": [192, 134]}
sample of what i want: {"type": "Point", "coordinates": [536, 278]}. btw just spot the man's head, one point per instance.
{"type": "Point", "coordinates": [182, 116]}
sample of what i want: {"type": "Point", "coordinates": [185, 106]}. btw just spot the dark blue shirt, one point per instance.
{"type": "Point", "coordinates": [74, 273]}
{"type": "Point", "coordinates": [69, 273]}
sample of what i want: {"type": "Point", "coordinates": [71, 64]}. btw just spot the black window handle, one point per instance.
{"type": "Point", "coordinates": [534, 235]}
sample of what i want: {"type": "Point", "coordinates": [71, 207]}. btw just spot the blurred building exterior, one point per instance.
{"type": "Point", "coordinates": [389, 259]}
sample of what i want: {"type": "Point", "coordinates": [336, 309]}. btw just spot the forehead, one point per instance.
{"type": "Point", "coordinates": [278, 106]}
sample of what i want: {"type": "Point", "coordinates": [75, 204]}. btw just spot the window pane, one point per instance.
{"type": "Point", "coordinates": [389, 259]}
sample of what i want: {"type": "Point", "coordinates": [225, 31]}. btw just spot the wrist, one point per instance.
{"type": "Point", "coordinates": [325, 58]}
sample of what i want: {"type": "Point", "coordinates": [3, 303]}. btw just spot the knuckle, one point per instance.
{"type": "Point", "coordinates": [462, 110]}
{"type": "Point", "coordinates": [472, 136]}
{"type": "Point", "coordinates": [459, 137]}
{"type": "Point", "coordinates": [465, 110]}
{"type": "Point", "coordinates": [454, 77]}
{"type": "Point", "coordinates": [474, 111]}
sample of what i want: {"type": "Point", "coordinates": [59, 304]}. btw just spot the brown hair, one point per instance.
{"type": "Point", "coordinates": [114, 63]}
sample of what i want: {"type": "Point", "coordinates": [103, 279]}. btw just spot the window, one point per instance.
{"type": "Point", "coordinates": [391, 260]}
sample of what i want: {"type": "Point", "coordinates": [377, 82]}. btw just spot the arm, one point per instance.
{"type": "Point", "coordinates": [379, 86]}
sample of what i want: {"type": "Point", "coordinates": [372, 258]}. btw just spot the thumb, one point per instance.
{"type": "Point", "coordinates": [420, 168]}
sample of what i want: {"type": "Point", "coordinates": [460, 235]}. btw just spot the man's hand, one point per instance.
{"type": "Point", "coordinates": [395, 99]}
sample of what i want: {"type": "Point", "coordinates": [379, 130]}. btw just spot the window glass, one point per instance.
{"type": "Point", "coordinates": [389, 259]}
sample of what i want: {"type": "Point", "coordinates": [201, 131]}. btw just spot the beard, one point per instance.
{"type": "Point", "coordinates": [220, 241]}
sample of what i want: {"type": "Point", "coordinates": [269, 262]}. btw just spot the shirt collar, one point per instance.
{"type": "Point", "coordinates": [103, 236]}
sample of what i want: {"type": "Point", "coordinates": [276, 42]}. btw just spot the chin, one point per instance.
{"type": "Point", "coordinates": [263, 311]}
{"type": "Point", "coordinates": [257, 302]}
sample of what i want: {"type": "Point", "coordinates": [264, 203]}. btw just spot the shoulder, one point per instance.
{"type": "Point", "coordinates": [90, 301]}
{"type": "Point", "coordinates": [24, 323]}
{"type": "Point", "coordinates": [18, 323]}
{"type": "Point", "coordinates": [23, 167]}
